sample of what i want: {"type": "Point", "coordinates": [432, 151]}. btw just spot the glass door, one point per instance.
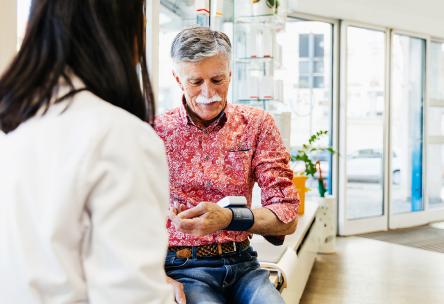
{"type": "Point", "coordinates": [363, 112]}
{"type": "Point", "coordinates": [435, 129]}
{"type": "Point", "coordinates": [386, 143]}
{"type": "Point", "coordinates": [415, 196]}
{"type": "Point", "coordinates": [407, 127]}
{"type": "Point", "coordinates": [306, 73]}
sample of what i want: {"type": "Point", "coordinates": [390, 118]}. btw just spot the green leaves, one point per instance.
{"type": "Point", "coordinates": [272, 3]}
{"type": "Point", "coordinates": [315, 137]}
{"type": "Point", "coordinates": [309, 150]}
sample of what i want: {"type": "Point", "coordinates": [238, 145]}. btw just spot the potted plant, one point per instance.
{"type": "Point", "coordinates": [265, 7]}
{"type": "Point", "coordinates": [327, 205]}
{"type": "Point", "coordinates": [312, 168]}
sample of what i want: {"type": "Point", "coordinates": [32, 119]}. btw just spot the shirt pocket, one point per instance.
{"type": "Point", "coordinates": [238, 164]}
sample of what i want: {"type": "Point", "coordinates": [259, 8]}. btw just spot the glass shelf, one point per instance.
{"type": "Point", "coordinates": [264, 104]}
{"type": "Point", "coordinates": [275, 21]}
{"type": "Point", "coordinates": [255, 99]}
{"type": "Point", "coordinates": [254, 59]}
{"type": "Point", "coordinates": [257, 53]}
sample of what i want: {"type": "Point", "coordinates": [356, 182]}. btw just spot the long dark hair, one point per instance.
{"type": "Point", "coordinates": [100, 41]}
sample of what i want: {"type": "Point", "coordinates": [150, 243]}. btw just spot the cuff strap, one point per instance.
{"type": "Point", "coordinates": [242, 220]}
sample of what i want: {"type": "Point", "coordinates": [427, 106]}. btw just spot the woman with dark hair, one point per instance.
{"type": "Point", "coordinates": [83, 179]}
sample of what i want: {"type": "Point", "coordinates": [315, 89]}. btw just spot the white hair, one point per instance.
{"type": "Point", "coordinates": [197, 43]}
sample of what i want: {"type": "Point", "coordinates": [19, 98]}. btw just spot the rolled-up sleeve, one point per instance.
{"type": "Point", "coordinates": [272, 172]}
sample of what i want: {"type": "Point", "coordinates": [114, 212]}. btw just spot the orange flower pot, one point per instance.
{"type": "Point", "coordinates": [299, 184]}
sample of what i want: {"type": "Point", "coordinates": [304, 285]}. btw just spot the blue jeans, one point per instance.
{"type": "Point", "coordinates": [230, 279]}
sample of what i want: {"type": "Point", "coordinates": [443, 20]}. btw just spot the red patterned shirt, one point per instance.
{"type": "Point", "coordinates": [241, 147]}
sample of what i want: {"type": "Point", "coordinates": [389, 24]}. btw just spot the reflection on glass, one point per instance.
{"type": "Point", "coordinates": [319, 45]}
{"type": "Point", "coordinates": [437, 71]}
{"type": "Point", "coordinates": [306, 74]}
{"type": "Point", "coordinates": [304, 45]}
{"type": "Point", "coordinates": [304, 82]}
{"type": "Point", "coordinates": [304, 67]}
{"type": "Point", "coordinates": [435, 152]}
{"type": "Point", "coordinates": [365, 87]}
{"type": "Point", "coordinates": [318, 82]}
{"type": "Point", "coordinates": [318, 67]}
{"type": "Point", "coordinates": [408, 64]}
{"type": "Point", "coordinates": [435, 176]}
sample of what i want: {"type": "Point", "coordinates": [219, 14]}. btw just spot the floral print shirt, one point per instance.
{"type": "Point", "coordinates": [241, 147]}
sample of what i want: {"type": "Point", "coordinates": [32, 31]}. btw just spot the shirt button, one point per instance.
{"type": "Point", "coordinates": [207, 157]}
{"type": "Point", "coordinates": [208, 184]}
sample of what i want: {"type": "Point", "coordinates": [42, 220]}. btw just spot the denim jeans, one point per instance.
{"type": "Point", "coordinates": [236, 278]}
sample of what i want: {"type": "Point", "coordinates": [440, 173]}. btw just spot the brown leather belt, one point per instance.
{"type": "Point", "coordinates": [210, 250]}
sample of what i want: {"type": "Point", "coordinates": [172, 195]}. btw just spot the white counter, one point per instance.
{"type": "Point", "coordinates": [290, 264]}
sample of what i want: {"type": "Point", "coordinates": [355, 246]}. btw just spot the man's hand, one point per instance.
{"type": "Point", "coordinates": [201, 220]}
{"type": "Point", "coordinates": [179, 295]}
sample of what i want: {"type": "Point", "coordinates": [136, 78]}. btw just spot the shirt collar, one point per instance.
{"type": "Point", "coordinates": [183, 113]}
{"type": "Point", "coordinates": [187, 121]}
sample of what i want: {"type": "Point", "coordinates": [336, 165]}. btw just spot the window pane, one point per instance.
{"type": "Point", "coordinates": [319, 46]}
{"type": "Point", "coordinates": [318, 66]}
{"type": "Point", "coordinates": [318, 82]}
{"type": "Point", "coordinates": [435, 176]}
{"type": "Point", "coordinates": [435, 152]}
{"type": "Point", "coordinates": [304, 82]}
{"type": "Point", "coordinates": [304, 67]}
{"type": "Point", "coordinates": [304, 45]}
{"type": "Point", "coordinates": [311, 109]}
{"type": "Point", "coordinates": [437, 71]}
{"type": "Point", "coordinates": [365, 87]}
{"type": "Point", "coordinates": [408, 66]}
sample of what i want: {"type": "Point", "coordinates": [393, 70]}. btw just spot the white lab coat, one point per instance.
{"type": "Point", "coordinates": [83, 202]}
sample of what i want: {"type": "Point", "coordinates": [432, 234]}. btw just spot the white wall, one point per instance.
{"type": "Point", "coordinates": [421, 16]}
{"type": "Point", "coordinates": [8, 31]}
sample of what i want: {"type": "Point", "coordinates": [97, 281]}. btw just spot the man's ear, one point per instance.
{"type": "Point", "coordinates": [179, 82]}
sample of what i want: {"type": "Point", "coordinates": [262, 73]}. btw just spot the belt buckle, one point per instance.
{"type": "Point", "coordinates": [184, 253]}
{"type": "Point", "coordinates": [234, 248]}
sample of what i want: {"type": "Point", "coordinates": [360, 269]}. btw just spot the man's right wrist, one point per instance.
{"type": "Point", "coordinates": [229, 217]}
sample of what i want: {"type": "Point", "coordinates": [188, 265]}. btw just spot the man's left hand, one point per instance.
{"type": "Point", "coordinates": [201, 220]}
{"type": "Point", "coordinates": [179, 294]}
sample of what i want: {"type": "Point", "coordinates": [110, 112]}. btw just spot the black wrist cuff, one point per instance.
{"type": "Point", "coordinates": [242, 220]}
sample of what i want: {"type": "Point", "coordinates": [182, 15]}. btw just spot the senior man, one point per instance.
{"type": "Point", "coordinates": [217, 149]}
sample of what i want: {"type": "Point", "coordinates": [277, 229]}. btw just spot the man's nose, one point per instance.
{"type": "Point", "coordinates": [207, 90]}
